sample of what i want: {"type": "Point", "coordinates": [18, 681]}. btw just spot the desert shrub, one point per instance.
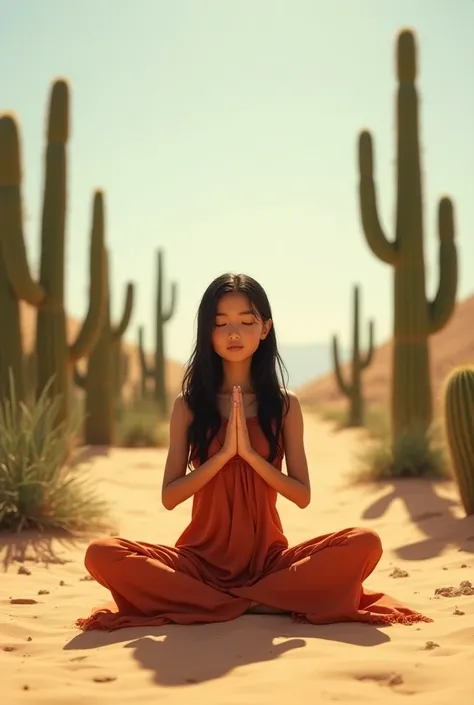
{"type": "Point", "coordinates": [140, 426]}
{"type": "Point", "coordinates": [41, 486]}
{"type": "Point", "coordinates": [415, 454]}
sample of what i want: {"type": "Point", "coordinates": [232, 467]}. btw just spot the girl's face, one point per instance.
{"type": "Point", "coordinates": [237, 330]}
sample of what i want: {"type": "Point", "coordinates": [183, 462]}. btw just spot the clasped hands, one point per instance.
{"type": "Point", "coordinates": [237, 441]}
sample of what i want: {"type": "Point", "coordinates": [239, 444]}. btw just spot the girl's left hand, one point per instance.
{"type": "Point", "coordinates": [244, 447]}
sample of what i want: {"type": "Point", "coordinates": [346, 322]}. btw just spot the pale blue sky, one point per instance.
{"type": "Point", "coordinates": [226, 132]}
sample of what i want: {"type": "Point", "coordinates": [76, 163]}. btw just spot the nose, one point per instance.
{"type": "Point", "coordinates": [234, 335]}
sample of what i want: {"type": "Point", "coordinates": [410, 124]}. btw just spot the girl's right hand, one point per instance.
{"type": "Point", "coordinates": [230, 443]}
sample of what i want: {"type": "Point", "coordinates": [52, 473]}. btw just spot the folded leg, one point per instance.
{"type": "Point", "coordinates": [152, 585]}
{"type": "Point", "coordinates": [320, 581]}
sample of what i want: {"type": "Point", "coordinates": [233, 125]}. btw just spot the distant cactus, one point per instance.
{"type": "Point", "coordinates": [162, 316]}
{"type": "Point", "coordinates": [415, 318]}
{"type": "Point", "coordinates": [54, 357]}
{"type": "Point", "coordinates": [99, 382]}
{"type": "Point", "coordinates": [353, 389]}
{"type": "Point", "coordinates": [459, 429]}
{"type": "Point", "coordinates": [11, 351]}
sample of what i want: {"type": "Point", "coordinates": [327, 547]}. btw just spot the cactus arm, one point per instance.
{"type": "Point", "coordinates": [367, 358]}
{"type": "Point", "coordinates": [78, 378]}
{"type": "Point", "coordinates": [119, 330]}
{"type": "Point", "coordinates": [345, 388]}
{"type": "Point", "coordinates": [169, 314]}
{"type": "Point", "coordinates": [89, 332]}
{"type": "Point", "coordinates": [378, 243]}
{"type": "Point", "coordinates": [146, 369]}
{"type": "Point", "coordinates": [12, 242]}
{"type": "Point", "coordinates": [442, 306]}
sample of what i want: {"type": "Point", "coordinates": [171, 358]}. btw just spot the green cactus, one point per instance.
{"type": "Point", "coordinates": [416, 318]}
{"type": "Point", "coordinates": [54, 357]}
{"type": "Point", "coordinates": [99, 382]}
{"type": "Point", "coordinates": [353, 389]}
{"type": "Point", "coordinates": [11, 350]}
{"type": "Point", "coordinates": [459, 430]}
{"type": "Point", "coordinates": [157, 372]}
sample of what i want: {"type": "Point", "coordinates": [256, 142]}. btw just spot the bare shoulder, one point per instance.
{"type": "Point", "coordinates": [294, 410]}
{"type": "Point", "coordinates": [181, 413]}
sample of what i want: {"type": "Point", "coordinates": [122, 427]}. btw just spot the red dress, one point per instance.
{"type": "Point", "coordinates": [234, 553]}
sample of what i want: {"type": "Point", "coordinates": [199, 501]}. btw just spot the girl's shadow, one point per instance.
{"type": "Point", "coordinates": [197, 653]}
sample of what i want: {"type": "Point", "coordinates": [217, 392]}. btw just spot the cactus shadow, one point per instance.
{"type": "Point", "coordinates": [435, 515]}
{"type": "Point", "coordinates": [33, 546]}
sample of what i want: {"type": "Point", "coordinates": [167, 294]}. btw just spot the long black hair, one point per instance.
{"type": "Point", "coordinates": [204, 374]}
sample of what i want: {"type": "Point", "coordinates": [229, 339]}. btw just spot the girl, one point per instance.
{"type": "Point", "coordinates": [231, 426]}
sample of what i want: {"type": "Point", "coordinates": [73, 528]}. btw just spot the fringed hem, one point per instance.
{"type": "Point", "coordinates": [385, 620]}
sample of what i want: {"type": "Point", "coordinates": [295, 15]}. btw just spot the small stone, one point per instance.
{"type": "Point", "coordinates": [395, 679]}
{"type": "Point", "coordinates": [43, 592]}
{"type": "Point", "coordinates": [398, 573]}
{"type": "Point", "coordinates": [23, 570]}
{"type": "Point", "coordinates": [30, 638]}
{"type": "Point", "coordinates": [23, 601]}
{"type": "Point", "coordinates": [104, 679]}
{"type": "Point", "coordinates": [458, 611]}
{"type": "Point", "coordinates": [431, 645]}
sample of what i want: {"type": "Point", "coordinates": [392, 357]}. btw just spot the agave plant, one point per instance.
{"type": "Point", "coordinates": [40, 487]}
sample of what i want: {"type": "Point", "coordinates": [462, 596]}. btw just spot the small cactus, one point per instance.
{"type": "Point", "coordinates": [163, 316]}
{"type": "Point", "coordinates": [459, 430]}
{"type": "Point", "coordinates": [416, 318]}
{"type": "Point", "coordinates": [353, 389]}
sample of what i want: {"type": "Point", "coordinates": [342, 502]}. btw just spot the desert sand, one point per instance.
{"type": "Point", "coordinates": [257, 659]}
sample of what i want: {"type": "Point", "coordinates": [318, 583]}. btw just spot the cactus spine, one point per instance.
{"type": "Point", "coordinates": [162, 317]}
{"type": "Point", "coordinates": [415, 318]}
{"type": "Point", "coordinates": [11, 350]}
{"type": "Point", "coordinates": [99, 381]}
{"type": "Point", "coordinates": [459, 429]}
{"type": "Point", "coordinates": [353, 389]}
{"type": "Point", "coordinates": [54, 357]}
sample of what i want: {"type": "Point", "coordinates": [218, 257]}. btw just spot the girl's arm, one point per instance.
{"type": "Point", "coordinates": [178, 486]}
{"type": "Point", "coordinates": [296, 485]}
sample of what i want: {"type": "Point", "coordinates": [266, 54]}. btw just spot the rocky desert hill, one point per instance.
{"type": "Point", "coordinates": [174, 369]}
{"type": "Point", "coordinates": [454, 345]}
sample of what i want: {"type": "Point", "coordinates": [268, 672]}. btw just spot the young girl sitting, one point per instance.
{"type": "Point", "coordinates": [231, 427]}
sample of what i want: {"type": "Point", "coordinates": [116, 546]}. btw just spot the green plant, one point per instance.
{"type": "Point", "coordinates": [459, 430]}
{"type": "Point", "coordinates": [353, 389]}
{"type": "Point", "coordinates": [157, 372]}
{"type": "Point", "coordinates": [40, 487]}
{"type": "Point", "coordinates": [11, 351]}
{"type": "Point", "coordinates": [415, 318]}
{"type": "Point", "coordinates": [100, 381]}
{"type": "Point", "coordinates": [418, 453]}
{"type": "Point", "coordinates": [54, 356]}
{"type": "Point", "coordinates": [142, 426]}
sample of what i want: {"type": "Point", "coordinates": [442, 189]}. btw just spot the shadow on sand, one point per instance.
{"type": "Point", "coordinates": [180, 655]}
{"type": "Point", "coordinates": [36, 546]}
{"type": "Point", "coordinates": [433, 514]}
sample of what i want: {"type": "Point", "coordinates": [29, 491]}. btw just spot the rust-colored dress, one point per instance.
{"type": "Point", "coordinates": [234, 554]}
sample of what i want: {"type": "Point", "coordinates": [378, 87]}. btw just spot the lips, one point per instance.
{"type": "Point", "coordinates": [235, 347]}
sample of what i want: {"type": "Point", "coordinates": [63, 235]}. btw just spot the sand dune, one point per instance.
{"type": "Point", "coordinates": [256, 659]}
{"type": "Point", "coordinates": [454, 345]}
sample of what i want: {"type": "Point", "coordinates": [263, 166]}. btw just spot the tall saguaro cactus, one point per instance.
{"type": "Point", "coordinates": [99, 382]}
{"type": "Point", "coordinates": [162, 317]}
{"type": "Point", "coordinates": [54, 356]}
{"type": "Point", "coordinates": [416, 318]}
{"type": "Point", "coordinates": [11, 351]}
{"type": "Point", "coordinates": [353, 389]}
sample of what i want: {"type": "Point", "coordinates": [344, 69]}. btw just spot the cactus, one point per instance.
{"type": "Point", "coordinates": [415, 318]}
{"type": "Point", "coordinates": [54, 357]}
{"type": "Point", "coordinates": [11, 351]}
{"type": "Point", "coordinates": [99, 382]}
{"type": "Point", "coordinates": [353, 389]}
{"type": "Point", "coordinates": [162, 317]}
{"type": "Point", "coordinates": [459, 430]}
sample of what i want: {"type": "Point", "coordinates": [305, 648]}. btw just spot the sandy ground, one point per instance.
{"type": "Point", "coordinates": [257, 659]}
